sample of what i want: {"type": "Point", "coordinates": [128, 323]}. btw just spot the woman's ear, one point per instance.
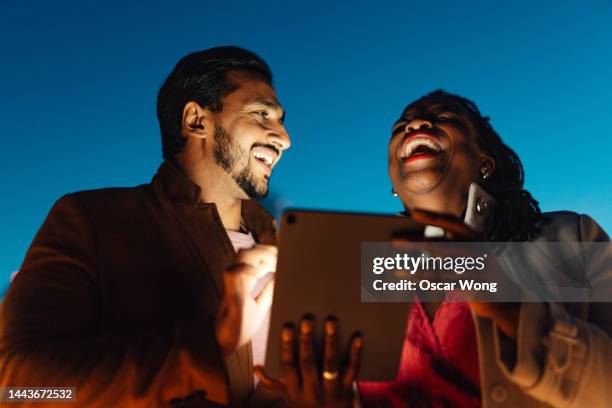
{"type": "Point", "coordinates": [196, 121]}
{"type": "Point", "coordinates": [487, 166]}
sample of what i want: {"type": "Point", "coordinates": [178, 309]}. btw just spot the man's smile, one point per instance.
{"type": "Point", "coordinates": [266, 156]}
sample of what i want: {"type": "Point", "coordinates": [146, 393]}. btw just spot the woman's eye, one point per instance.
{"type": "Point", "coordinates": [445, 116]}
{"type": "Point", "coordinates": [398, 128]}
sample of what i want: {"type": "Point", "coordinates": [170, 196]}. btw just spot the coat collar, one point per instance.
{"type": "Point", "coordinates": [181, 190]}
{"type": "Point", "coordinates": [177, 186]}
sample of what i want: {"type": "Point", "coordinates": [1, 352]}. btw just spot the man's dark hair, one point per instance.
{"type": "Point", "coordinates": [517, 213]}
{"type": "Point", "coordinates": [201, 77]}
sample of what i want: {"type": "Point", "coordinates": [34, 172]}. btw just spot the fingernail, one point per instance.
{"type": "Point", "coordinates": [287, 334]}
{"type": "Point", "coordinates": [330, 327]}
{"type": "Point", "coordinates": [358, 342]}
{"type": "Point", "coordinates": [306, 326]}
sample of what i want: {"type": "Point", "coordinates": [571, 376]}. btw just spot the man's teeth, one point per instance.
{"type": "Point", "coordinates": [267, 159]}
{"type": "Point", "coordinates": [412, 145]}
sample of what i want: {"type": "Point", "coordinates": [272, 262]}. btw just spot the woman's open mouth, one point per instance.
{"type": "Point", "coordinates": [418, 147]}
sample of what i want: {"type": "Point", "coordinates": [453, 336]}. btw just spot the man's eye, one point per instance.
{"type": "Point", "coordinates": [263, 114]}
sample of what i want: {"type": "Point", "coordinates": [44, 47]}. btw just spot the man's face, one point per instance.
{"type": "Point", "coordinates": [249, 136]}
{"type": "Point", "coordinates": [432, 150]}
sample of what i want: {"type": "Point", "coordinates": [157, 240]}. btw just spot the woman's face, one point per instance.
{"type": "Point", "coordinates": [433, 157]}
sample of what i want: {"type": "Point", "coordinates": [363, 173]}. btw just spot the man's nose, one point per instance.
{"type": "Point", "coordinates": [279, 138]}
{"type": "Point", "coordinates": [416, 124]}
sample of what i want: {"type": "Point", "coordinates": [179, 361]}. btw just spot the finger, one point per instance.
{"type": "Point", "coordinates": [495, 309]}
{"type": "Point", "coordinates": [330, 357]}
{"type": "Point", "coordinates": [273, 249]}
{"type": "Point", "coordinates": [447, 222]}
{"type": "Point", "coordinates": [241, 269]}
{"type": "Point", "coordinates": [239, 279]}
{"type": "Point", "coordinates": [262, 256]}
{"type": "Point", "coordinates": [308, 367]}
{"type": "Point", "coordinates": [288, 363]}
{"type": "Point", "coordinates": [504, 314]}
{"type": "Point", "coordinates": [350, 373]}
{"type": "Point", "coordinates": [258, 258]}
{"type": "Point", "coordinates": [276, 386]}
{"type": "Point", "coordinates": [264, 299]}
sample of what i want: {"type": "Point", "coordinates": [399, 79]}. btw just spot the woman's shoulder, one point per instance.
{"type": "Point", "coordinates": [557, 226]}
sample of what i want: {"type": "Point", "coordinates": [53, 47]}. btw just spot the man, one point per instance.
{"type": "Point", "coordinates": [128, 294]}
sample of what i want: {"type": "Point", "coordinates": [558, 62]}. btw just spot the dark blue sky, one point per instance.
{"type": "Point", "coordinates": [79, 83]}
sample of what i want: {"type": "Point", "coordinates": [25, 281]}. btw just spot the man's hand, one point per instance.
{"type": "Point", "coordinates": [301, 384]}
{"type": "Point", "coordinates": [241, 311]}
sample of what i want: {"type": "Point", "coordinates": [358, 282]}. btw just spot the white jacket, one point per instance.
{"type": "Point", "coordinates": [563, 350]}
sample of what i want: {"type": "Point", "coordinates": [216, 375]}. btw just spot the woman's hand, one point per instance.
{"type": "Point", "coordinates": [504, 314]}
{"type": "Point", "coordinates": [301, 384]}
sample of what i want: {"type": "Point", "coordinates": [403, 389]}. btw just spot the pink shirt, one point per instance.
{"type": "Point", "coordinates": [439, 363]}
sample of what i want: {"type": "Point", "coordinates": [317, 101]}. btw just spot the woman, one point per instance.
{"type": "Point", "coordinates": [445, 158]}
{"type": "Point", "coordinates": [442, 151]}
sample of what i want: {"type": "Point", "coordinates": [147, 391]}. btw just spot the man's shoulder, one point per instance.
{"type": "Point", "coordinates": [111, 193]}
{"type": "Point", "coordinates": [109, 200]}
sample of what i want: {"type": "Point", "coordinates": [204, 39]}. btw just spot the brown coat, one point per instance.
{"type": "Point", "coordinates": [117, 296]}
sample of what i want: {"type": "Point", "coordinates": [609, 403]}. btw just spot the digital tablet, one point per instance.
{"type": "Point", "coordinates": [319, 273]}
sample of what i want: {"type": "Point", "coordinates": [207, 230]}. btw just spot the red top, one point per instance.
{"type": "Point", "coordinates": [439, 363]}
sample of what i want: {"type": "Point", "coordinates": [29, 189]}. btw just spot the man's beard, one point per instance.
{"type": "Point", "coordinates": [227, 155]}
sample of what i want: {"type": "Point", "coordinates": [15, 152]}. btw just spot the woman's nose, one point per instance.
{"type": "Point", "coordinates": [418, 124]}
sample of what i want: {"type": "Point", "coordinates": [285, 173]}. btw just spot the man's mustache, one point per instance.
{"type": "Point", "coordinates": [267, 146]}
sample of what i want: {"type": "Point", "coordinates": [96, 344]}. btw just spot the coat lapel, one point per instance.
{"type": "Point", "coordinates": [202, 224]}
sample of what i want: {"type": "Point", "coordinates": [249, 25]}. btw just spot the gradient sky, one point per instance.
{"type": "Point", "coordinates": [79, 81]}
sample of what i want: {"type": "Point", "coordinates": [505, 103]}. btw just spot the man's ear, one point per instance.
{"type": "Point", "coordinates": [196, 121]}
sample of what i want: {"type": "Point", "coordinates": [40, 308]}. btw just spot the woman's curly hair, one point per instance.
{"type": "Point", "coordinates": [517, 213]}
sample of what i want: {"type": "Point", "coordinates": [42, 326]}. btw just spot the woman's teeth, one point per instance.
{"type": "Point", "coordinates": [421, 145]}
